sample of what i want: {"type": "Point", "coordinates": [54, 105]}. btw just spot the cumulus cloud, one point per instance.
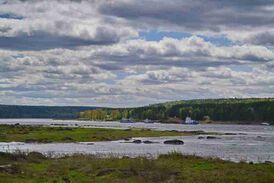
{"type": "Point", "coordinates": [191, 51]}
{"type": "Point", "coordinates": [262, 38]}
{"type": "Point", "coordinates": [91, 52]}
{"type": "Point", "coordinates": [202, 16]}
{"type": "Point", "coordinates": [58, 24]}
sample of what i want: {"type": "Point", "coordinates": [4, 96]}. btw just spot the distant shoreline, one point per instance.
{"type": "Point", "coordinates": [201, 122]}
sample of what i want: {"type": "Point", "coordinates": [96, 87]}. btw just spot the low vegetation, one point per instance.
{"type": "Point", "coordinates": [21, 133]}
{"type": "Point", "coordinates": [174, 167]}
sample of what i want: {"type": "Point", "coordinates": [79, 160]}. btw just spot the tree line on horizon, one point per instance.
{"type": "Point", "coordinates": [55, 112]}
{"type": "Point", "coordinates": [253, 109]}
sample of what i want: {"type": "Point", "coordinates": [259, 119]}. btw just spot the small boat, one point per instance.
{"type": "Point", "coordinates": [191, 121]}
{"type": "Point", "coordinates": [265, 124]}
{"type": "Point", "coordinates": [148, 121]}
{"type": "Point", "coordinates": [126, 120]}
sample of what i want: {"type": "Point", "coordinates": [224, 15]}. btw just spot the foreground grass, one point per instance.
{"type": "Point", "coordinates": [34, 167]}
{"type": "Point", "coordinates": [18, 133]}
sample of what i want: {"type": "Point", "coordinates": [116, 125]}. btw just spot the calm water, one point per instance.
{"type": "Point", "coordinates": [252, 142]}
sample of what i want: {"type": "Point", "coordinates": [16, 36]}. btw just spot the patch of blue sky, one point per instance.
{"type": "Point", "coordinates": [121, 75]}
{"type": "Point", "coordinates": [158, 35]}
{"type": "Point", "coordinates": [18, 56]}
{"type": "Point", "coordinates": [218, 40]}
{"type": "Point", "coordinates": [11, 16]}
{"type": "Point", "coordinates": [271, 48]}
{"type": "Point", "coordinates": [241, 68]}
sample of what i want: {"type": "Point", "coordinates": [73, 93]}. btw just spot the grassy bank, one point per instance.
{"type": "Point", "coordinates": [34, 167]}
{"type": "Point", "coordinates": [18, 133]}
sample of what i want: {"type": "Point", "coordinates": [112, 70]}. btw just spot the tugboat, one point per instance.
{"type": "Point", "coordinates": [126, 120]}
{"type": "Point", "coordinates": [191, 121]}
{"type": "Point", "coordinates": [148, 121]}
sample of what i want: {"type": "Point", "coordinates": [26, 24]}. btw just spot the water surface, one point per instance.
{"type": "Point", "coordinates": [251, 142]}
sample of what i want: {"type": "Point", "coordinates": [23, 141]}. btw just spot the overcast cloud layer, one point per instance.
{"type": "Point", "coordinates": [134, 52]}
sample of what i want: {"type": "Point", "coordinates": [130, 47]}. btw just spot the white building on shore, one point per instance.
{"type": "Point", "coordinates": [190, 121]}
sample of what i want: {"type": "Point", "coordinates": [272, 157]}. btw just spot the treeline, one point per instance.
{"type": "Point", "coordinates": [252, 109]}
{"type": "Point", "coordinates": [105, 114]}
{"type": "Point", "coordinates": [62, 112]}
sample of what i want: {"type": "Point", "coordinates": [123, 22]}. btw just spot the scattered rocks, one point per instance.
{"type": "Point", "coordinates": [58, 124]}
{"type": "Point", "coordinates": [11, 169]}
{"type": "Point", "coordinates": [137, 141]}
{"type": "Point", "coordinates": [126, 139]}
{"type": "Point", "coordinates": [148, 142]}
{"type": "Point", "coordinates": [260, 138]}
{"type": "Point", "coordinates": [140, 141]}
{"type": "Point", "coordinates": [212, 137]}
{"type": "Point", "coordinates": [230, 133]}
{"type": "Point", "coordinates": [174, 142]}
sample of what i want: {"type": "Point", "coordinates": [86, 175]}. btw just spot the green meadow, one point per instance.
{"type": "Point", "coordinates": [174, 167]}
{"type": "Point", "coordinates": [19, 133]}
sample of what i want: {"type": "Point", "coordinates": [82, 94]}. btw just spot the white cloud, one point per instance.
{"type": "Point", "coordinates": [89, 53]}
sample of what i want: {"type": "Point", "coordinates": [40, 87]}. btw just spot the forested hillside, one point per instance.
{"type": "Point", "coordinates": [209, 109]}
{"type": "Point", "coordinates": [14, 111]}
{"type": "Point", "coordinates": [257, 110]}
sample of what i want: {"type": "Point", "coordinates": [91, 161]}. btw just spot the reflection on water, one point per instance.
{"type": "Point", "coordinates": [253, 142]}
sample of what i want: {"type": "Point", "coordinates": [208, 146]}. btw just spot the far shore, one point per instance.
{"type": "Point", "coordinates": [156, 121]}
{"type": "Point", "coordinates": [200, 122]}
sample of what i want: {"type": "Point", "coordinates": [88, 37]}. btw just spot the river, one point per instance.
{"type": "Point", "coordinates": [248, 143]}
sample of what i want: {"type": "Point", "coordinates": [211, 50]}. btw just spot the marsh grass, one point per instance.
{"type": "Point", "coordinates": [173, 167]}
{"type": "Point", "coordinates": [40, 134]}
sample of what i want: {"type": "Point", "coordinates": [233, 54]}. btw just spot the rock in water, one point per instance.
{"type": "Point", "coordinates": [174, 142]}
{"type": "Point", "coordinates": [212, 137]}
{"type": "Point", "coordinates": [137, 141]}
{"type": "Point", "coordinates": [147, 142]}
{"type": "Point", "coordinates": [11, 169]}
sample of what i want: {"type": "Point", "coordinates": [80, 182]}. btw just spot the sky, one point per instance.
{"type": "Point", "coordinates": [125, 53]}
